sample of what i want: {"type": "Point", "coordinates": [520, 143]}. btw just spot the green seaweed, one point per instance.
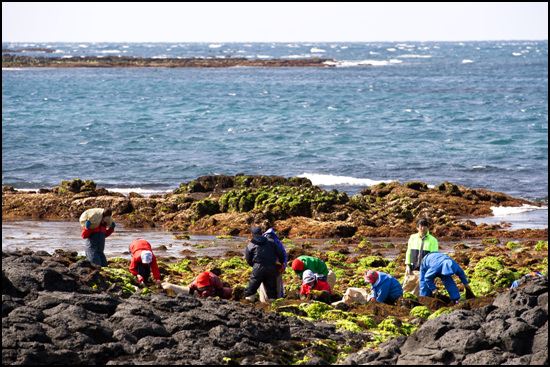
{"type": "Point", "coordinates": [420, 311]}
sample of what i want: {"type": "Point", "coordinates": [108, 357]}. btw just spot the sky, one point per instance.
{"type": "Point", "coordinates": [272, 22]}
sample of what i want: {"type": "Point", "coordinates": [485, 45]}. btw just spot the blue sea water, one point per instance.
{"type": "Point", "coordinates": [471, 113]}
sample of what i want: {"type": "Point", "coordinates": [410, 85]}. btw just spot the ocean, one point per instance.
{"type": "Point", "coordinates": [471, 113]}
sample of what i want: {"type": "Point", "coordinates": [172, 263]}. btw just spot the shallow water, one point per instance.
{"type": "Point", "coordinates": [50, 235]}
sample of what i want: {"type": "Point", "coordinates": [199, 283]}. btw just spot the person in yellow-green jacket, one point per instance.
{"type": "Point", "coordinates": [420, 244]}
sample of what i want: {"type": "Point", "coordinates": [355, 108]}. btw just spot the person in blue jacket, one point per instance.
{"type": "Point", "coordinates": [385, 288]}
{"type": "Point", "coordinates": [531, 274]}
{"type": "Point", "coordinates": [435, 264]}
{"type": "Point", "coordinates": [272, 236]}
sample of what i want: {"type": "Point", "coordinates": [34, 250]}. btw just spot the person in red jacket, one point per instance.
{"type": "Point", "coordinates": [95, 239]}
{"type": "Point", "coordinates": [208, 284]}
{"type": "Point", "coordinates": [143, 261]}
{"type": "Point", "coordinates": [318, 290]}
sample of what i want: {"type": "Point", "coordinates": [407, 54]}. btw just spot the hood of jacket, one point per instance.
{"type": "Point", "coordinates": [259, 240]}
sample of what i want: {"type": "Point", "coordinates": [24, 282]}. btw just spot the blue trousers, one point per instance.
{"type": "Point", "coordinates": [447, 280]}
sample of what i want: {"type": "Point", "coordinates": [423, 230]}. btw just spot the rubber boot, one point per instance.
{"type": "Point", "coordinates": [251, 298]}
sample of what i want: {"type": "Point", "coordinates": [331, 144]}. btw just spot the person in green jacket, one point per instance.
{"type": "Point", "coordinates": [317, 266]}
{"type": "Point", "coordinates": [420, 244]}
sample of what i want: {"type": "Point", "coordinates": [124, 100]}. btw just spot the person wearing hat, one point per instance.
{"type": "Point", "coordinates": [436, 264]}
{"type": "Point", "coordinates": [419, 245]}
{"type": "Point", "coordinates": [262, 254]}
{"type": "Point", "coordinates": [317, 266]}
{"type": "Point", "coordinates": [143, 261]}
{"type": "Point", "coordinates": [385, 288]}
{"type": "Point", "coordinates": [318, 290]}
{"type": "Point", "coordinates": [208, 284]}
{"type": "Point", "coordinates": [272, 236]}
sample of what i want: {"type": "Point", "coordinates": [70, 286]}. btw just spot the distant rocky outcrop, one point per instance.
{"type": "Point", "coordinates": [230, 205]}
{"type": "Point", "coordinates": [9, 61]}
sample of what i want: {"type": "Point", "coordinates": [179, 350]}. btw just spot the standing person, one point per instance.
{"type": "Point", "coordinates": [319, 290]}
{"type": "Point", "coordinates": [436, 264]}
{"type": "Point", "coordinates": [262, 254]}
{"type": "Point", "coordinates": [95, 238]}
{"type": "Point", "coordinates": [385, 288]}
{"type": "Point", "coordinates": [208, 284]}
{"type": "Point", "coordinates": [419, 245]}
{"type": "Point", "coordinates": [272, 236]}
{"type": "Point", "coordinates": [317, 266]}
{"type": "Point", "coordinates": [143, 261]}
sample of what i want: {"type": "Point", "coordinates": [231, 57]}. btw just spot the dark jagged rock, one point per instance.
{"type": "Point", "coordinates": [514, 330]}
{"type": "Point", "coordinates": [49, 322]}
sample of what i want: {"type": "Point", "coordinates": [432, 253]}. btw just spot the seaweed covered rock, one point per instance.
{"type": "Point", "coordinates": [293, 206]}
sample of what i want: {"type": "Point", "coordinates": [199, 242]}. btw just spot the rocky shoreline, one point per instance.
{"type": "Point", "coordinates": [17, 61]}
{"type": "Point", "coordinates": [230, 205]}
{"type": "Point", "coordinates": [61, 309]}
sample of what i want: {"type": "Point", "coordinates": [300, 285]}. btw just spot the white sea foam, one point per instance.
{"type": "Point", "coordinates": [502, 211]}
{"type": "Point", "coordinates": [330, 180]}
{"type": "Point", "coordinates": [109, 51]}
{"type": "Point", "coordinates": [215, 45]}
{"type": "Point", "coordinates": [415, 56]}
{"type": "Point", "coordinates": [315, 49]}
{"type": "Point", "coordinates": [516, 53]}
{"type": "Point", "coordinates": [345, 63]}
{"type": "Point", "coordinates": [139, 190]}
{"type": "Point", "coordinates": [466, 61]}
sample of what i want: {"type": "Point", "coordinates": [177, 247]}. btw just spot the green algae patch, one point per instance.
{"type": "Point", "coordinates": [541, 245]}
{"type": "Point", "coordinates": [512, 245]}
{"type": "Point", "coordinates": [348, 325]}
{"type": "Point", "coordinates": [123, 278]}
{"type": "Point", "coordinates": [480, 286]}
{"type": "Point", "coordinates": [235, 263]}
{"type": "Point", "coordinates": [315, 309]}
{"type": "Point", "coordinates": [441, 311]}
{"type": "Point", "coordinates": [409, 295]}
{"type": "Point", "coordinates": [504, 278]}
{"type": "Point", "coordinates": [181, 266]}
{"type": "Point", "coordinates": [420, 311]}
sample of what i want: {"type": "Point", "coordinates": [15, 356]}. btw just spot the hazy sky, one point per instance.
{"type": "Point", "coordinates": [272, 22]}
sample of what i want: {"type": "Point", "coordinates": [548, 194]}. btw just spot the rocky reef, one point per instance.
{"type": "Point", "coordinates": [230, 205]}
{"type": "Point", "coordinates": [60, 309]}
{"type": "Point", "coordinates": [16, 61]}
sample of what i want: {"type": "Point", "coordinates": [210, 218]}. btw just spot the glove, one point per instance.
{"type": "Point", "coordinates": [140, 278]}
{"type": "Point", "coordinates": [315, 293]}
{"type": "Point", "coordinates": [158, 282]}
{"type": "Point", "coordinates": [88, 224]}
{"type": "Point", "coordinates": [113, 225]}
{"type": "Point", "coordinates": [435, 293]}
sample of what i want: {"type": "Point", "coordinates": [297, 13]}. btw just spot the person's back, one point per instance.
{"type": "Point", "coordinates": [385, 288]}
{"type": "Point", "coordinates": [261, 250]}
{"type": "Point", "coordinates": [262, 254]}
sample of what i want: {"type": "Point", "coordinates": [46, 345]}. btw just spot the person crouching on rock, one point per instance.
{"type": "Point", "coordinates": [385, 288]}
{"type": "Point", "coordinates": [317, 266]}
{"type": "Point", "coordinates": [262, 254]}
{"type": "Point", "coordinates": [143, 261]}
{"type": "Point", "coordinates": [312, 287]}
{"type": "Point", "coordinates": [208, 284]}
{"type": "Point", "coordinates": [436, 264]}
